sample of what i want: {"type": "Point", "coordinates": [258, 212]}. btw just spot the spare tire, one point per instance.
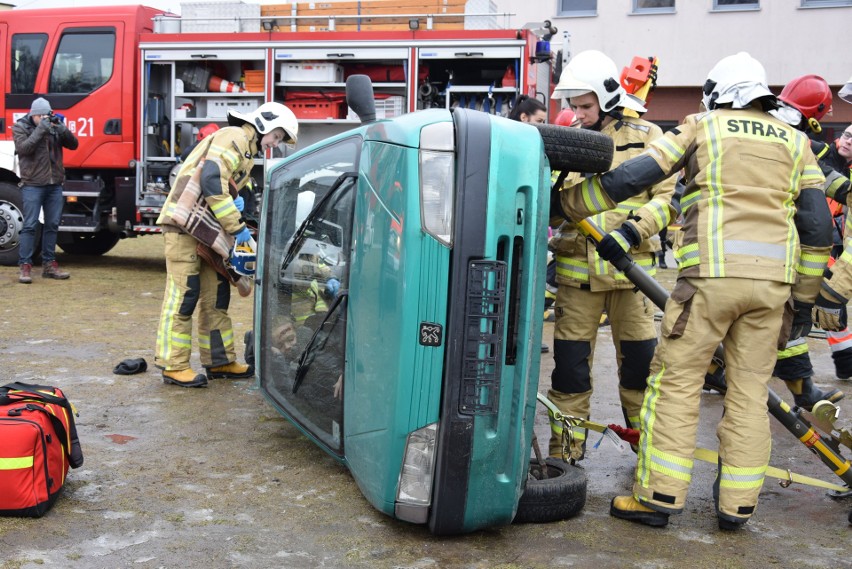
{"type": "Point", "coordinates": [558, 497]}
{"type": "Point", "coordinates": [576, 149]}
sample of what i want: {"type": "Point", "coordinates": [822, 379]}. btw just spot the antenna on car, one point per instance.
{"type": "Point", "coordinates": [359, 97]}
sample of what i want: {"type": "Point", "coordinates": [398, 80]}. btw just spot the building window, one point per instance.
{"type": "Point", "coordinates": [825, 3]}
{"type": "Point", "coordinates": [730, 5]}
{"type": "Point", "coordinates": [653, 6]}
{"type": "Point", "coordinates": [578, 7]}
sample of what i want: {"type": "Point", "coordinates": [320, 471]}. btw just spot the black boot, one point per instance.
{"type": "Point", "coordinates": [806, 394]}
{"type": "Point", "coordinates": [661, 260]}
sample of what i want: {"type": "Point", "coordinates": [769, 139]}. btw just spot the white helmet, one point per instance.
{"type": "Point", "coordinates": [266, 118]}
{"type": "Point", "coordinates": [737, 79]}
{"type": "Point", "coordinates": [845, 92]}
{"type": "Point", "coordinates": [593, 72]}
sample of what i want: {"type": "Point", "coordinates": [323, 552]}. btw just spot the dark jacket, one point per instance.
{"type": "Point", "coordinates": [39, 150]}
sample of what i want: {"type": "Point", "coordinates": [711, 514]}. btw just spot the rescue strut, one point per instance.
{"type": "Point", "coordinates": [827, 449]}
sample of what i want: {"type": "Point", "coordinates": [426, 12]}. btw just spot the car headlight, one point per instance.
{"type": "Point", "coordinates": [414, 491]}
{"type": "Point", "coordinates": [437, 180]}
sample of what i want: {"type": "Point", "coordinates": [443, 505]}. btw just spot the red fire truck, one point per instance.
{"type": "Point", "coordinates": [136, 90]}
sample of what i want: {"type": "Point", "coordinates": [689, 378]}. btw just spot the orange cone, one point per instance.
{"type": "Point", "coordinates": [223, 86]}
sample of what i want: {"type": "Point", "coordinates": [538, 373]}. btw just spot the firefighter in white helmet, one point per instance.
{"type": "Point", "coordinates": [756, 231]}
{"type": "Point", "coordinates": [588, 286]}
{"type": "Point", "coordinates": [225, 158]}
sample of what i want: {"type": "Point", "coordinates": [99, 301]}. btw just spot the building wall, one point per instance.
{"type": "Point", "coordinates": [788, 40]}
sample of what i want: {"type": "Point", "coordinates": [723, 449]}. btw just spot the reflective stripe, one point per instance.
{"type": "Point", "coordinates": [687, 256]}
{"type": "Point", "coordinates": [742, 478]}
{"type": "Point", "coordinates": [833, 182]}
{"type": "Point", "coordinates": [224, 208]}
{"type": "Point", "coordinates": [647, 418]}
{"type": "Point", "coordinates": [676, 467]}
{"type": "Point", "coordinates": [669, 148]}
{"type": "Point", "coordinates": [164, 333]}
{"type": "Point", "coordinates": [812, 264]}
{"type": "Point", "coordinates": [794, 348]}
{"type": "Point", "coordinates": [578, 433]}
{"type": "Point", "coordinates": [593, 195]}
{"type": "Point", "coordinates": [689, 200]}
{"type": "Point", "coordinates": [572, 268]}
{"type": "Point", "coordinates": [755, 248]}
{"type": "Point", "coordinates": [714, 236]}
{"type": "Point", "coordinates": [16, 463]}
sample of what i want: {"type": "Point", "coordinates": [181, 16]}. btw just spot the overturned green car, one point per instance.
{"type": "Point", "coordinates": [399, 294]}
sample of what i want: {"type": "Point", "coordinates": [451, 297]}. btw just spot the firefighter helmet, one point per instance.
{"type": "Point", "coordinates": [809, 94]}
{"type": "Point", "coordinates": [591, 71]}
{"type": "Point", "coordinates": [846, 91]}
{"type": "Point", "coordinates": [737, 79]}
{"type": "Point", "coordinates": [266, 118]}
{"type": "Point", "coordinates": [243, 260]}
{"type": "Point", "coordinates": [207, 130]}
{"type": "Point", "coordinates": [565, 117]}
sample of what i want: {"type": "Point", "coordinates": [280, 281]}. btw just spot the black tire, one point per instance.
{"type": "Point", "coordinates": [575, 149]}
{"type": "Point", "coordinates": [90, 243]}
{"type": "Point", "coordinates": [11, 223]}
{"type": "Point", "coordinates": [558, 497]}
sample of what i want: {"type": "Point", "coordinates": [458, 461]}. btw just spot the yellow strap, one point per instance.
{"type": "Point", "coordinates": [712, 457]}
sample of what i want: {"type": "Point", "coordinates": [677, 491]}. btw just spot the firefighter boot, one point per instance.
{"type": "Point", "coordinates": [574, 440]}
{"type": "Point", "coordinates": [806, 394]}
{"type": "Point", "coordinates": [627, 508]}
{"type": "Point", "coordinates": [184, 378]}
{"type": "Point", "coordinates": [26, 274]}
{"type": "Point", "coordinates": [661, 260]}
{"type": "Point", "coordinates": [50, 270]}
{"type": "Point", "coordinates": [232, 370]}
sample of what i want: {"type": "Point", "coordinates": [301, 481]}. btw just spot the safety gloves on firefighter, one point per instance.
{"type": "Point", "coordinates": [239, 203]}
{"type": "Point", "coordinates": [243, 236]}
{"type": "Point", "coordinates": [802, 319]}
{"type": "Point", "coordinates": [829, 310]}
{"type": "Point", "coordinates": [615, 245]}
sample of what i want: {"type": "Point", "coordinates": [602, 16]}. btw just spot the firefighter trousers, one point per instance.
{"type": "Point", "coordinates": [745, 316]}
{"type": "Point", "coordinates": [193, 285]}
{"type": "Point", "coordinates": [578, 316]}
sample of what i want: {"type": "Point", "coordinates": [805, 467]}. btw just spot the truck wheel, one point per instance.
{"type": "Point", "coordinates": [559, 496]}
{"type": "Point", "coordinates": [575, 149]}
{"type": "Point", "coordinates": [11, 224]}
{"type": "Point", "coordinates": [90, 243]}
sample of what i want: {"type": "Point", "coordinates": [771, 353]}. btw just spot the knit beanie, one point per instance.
{"type": "Point", "coordinates": [40, 107]}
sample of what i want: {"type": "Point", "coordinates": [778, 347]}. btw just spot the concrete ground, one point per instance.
{"type": "Point", "coordinates": [216, 478]}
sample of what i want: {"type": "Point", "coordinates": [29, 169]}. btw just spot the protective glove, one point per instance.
{"type": "Point", "coordinates": [332, 287]}
{"type": "Point", "coordinates": [802, 321]}
{"type": "Point", "coordinates": [616, 244]}
{"type": "Point", "coordinates": [828, 313]}
{"type": "Point", "coordinates": [239, 203]}
{"type": "Point", "coordinates": [243, 236]}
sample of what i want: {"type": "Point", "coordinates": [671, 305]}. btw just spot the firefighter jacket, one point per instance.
{"type": "Point", "coordinates": [232, 149]}
{"type": "Point", "coordinates": [577, 262]}
{"type": "Point", "coordinates": [741, 167]}
{"type": "Point", "coordinates": [838, 177]}
{"type": "Point", "coordinates": [39, 150]}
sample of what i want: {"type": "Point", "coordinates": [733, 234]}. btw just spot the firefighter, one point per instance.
{"type": "Point", "coordinates": [588, 286]}
{"type": "Point", "coordinates": [228, 157]}
{"type": "Point", "coordinates": [803, 103]}
{"type": "Point", "coordinates": [744, 169]}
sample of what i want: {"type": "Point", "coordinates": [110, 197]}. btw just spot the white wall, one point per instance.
{"type": "Point", "coordinates": [788, 40]}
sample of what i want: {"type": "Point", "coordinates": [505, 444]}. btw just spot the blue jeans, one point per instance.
{"type": "Point", "coordinates": [36, 198]}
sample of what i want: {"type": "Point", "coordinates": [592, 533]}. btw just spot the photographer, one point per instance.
{"type": "Point", "coordinates": [39, 139]}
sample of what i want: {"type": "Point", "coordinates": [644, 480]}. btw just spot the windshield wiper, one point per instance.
{"type": "Point", "coordinates": [314, 346]}
{"type": "Point", "coordinates": [301, 233]}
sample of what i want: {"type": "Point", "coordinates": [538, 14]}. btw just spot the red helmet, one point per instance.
{"type": "Point", "coordinates": [207, 130]}
{"type": "Point", "coordinates": [809, 94]}
{"type": "Point", "coordinates": [565, 117]}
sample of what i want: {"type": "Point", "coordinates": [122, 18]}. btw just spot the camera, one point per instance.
{"type": "Point", "coordinates": [55, 119]}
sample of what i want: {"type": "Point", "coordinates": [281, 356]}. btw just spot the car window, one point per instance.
{"type": "Point", "coordinates": [307, 244]}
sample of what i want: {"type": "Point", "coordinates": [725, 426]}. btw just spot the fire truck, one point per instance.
{"type": "Point", "coordinates": [136, 89]}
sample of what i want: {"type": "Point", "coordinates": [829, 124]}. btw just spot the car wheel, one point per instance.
{"type": "Point", "coordinates": [558, 497]}
{"type": "Point", "coordinates": [576, 149]}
